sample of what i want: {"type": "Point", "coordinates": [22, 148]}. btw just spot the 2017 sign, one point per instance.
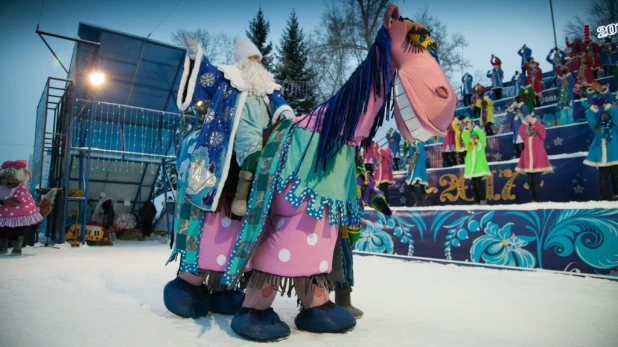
{"type": "Point", "coordinates": [607, 30]}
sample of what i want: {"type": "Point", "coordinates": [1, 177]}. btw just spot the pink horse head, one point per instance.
{"type": "Point", "coordinates": [424, 99]}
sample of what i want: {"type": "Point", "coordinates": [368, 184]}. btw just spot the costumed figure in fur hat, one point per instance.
{"type": "Point", "coordinates": [394, 144]}
{"type": "Point", "coordinates": [477, 168]}
{"type": "Point", "coordinates": [534, 75]}
{"type": "Point", "coordinates": [525, 53]}
{"type": "Point", "coordinates": [478, 94]}
{"type": "Point", "coordinates": [217, 163]}
{"type": "Point", "coordinates": [448, 147]}
{"type": "Point", "coordinates": [518, 81]}
{"type": "Point", "coordinates": [557, 61]}
{"type": "Point", "coordinates": [371, 156]}
{"type": "Point", "coordinates": [304, 187]}
{"type": "Point", "coordinates": [485, 108]}
{"type": "Point", "coordinates": [533, 161]}
{"type": "Point", "coordinates": [566, 96]}
{"type": "Point", "coordinates": [384, 170]}
{"type": "Point", "coordinates": [594, 60]}
{"type": "Point", "coordinates": [343, 264]}
{"type": "Point", "coordinates": [466, 88]}
{"type": "Point", "coordinates": [18, 211]}
{"type": "Point", "coordinates": [584, 77]}
{"type": "Point", "coordinates": [460, 148]}
{"type": "Point", "coordinates": [518, 112]}
{"type": "Point", "coordinates": [496, 75]}
{"type": "Point", "coordinates": [602, 117]}
{"type": "Point", "coordinates": [417, 173]}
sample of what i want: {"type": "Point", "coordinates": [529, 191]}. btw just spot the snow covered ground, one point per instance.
{"type": "Point", "coordinates": [113, 297]}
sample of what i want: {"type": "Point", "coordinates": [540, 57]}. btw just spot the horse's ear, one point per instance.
{"type": "Point", "coordinates": [391, 14]}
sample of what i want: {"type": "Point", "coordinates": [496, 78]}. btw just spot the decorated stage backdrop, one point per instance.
{"type": "Point", "coordinates": [571, 181]}
{"type": "Point", "coordinates": [572, 240]}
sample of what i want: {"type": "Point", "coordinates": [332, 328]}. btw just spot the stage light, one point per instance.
{"type": "Point", "coordinates": [97, 78]}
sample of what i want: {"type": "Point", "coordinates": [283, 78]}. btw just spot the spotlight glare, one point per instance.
{"type": "Point", "coordinates": [97, 78]}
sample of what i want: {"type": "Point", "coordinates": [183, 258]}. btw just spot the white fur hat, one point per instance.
{"type": "Point", "coordinates": [245, 49]}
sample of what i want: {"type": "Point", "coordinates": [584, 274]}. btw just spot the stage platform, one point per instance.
{"type": "Point", "coordinates": [564, 237]}
{"type": "Point", "coordinates": [570, 181]}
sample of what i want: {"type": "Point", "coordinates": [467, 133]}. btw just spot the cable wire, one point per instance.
{"type": "Point", "coordinates": [164, 18]}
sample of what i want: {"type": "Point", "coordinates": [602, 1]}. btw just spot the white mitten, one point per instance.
{"type": "Point", "coordinates": [289, 115]}
{"type": "Point", "coordinates": [191, 43]}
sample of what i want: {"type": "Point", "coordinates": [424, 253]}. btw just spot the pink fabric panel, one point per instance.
{"type": "Point", "coordinates": [293, 243]}
{"type": "Point", "coordinates": [217, 241]}
{"type": "Point", "coordinates": [27, 213]}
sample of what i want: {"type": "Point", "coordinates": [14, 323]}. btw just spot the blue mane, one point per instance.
{"type": "Point", "coordinates": [343, 111]}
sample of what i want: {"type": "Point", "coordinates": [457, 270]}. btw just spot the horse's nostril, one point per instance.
{"type": "Point", "coordinates": [442, 92]}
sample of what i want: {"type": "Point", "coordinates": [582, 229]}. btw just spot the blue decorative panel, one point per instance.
{"type": "Point", "coordinates": [574, 240]}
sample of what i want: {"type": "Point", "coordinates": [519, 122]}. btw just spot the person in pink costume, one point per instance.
{"type": "Point", "coordinates": [448, 147]}
{"type": "Point", "coordinates": [384, 171]}
{"type": "Point", "coordinates": [305, 187]}
{"type": "Point", "coordinates": [533, 161]}
{"type": "Point", "coordinates": [18, 210]}
{"type": "Point", "coordinates": [371, 156]}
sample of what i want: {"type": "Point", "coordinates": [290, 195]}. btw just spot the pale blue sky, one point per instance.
{"type": "Point", "coordinates": [490, 26]}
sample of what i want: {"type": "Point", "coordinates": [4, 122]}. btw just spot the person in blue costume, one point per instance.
{"type": "Point", "coordinates": [417, 173]}
{"type": "Point", "coordinates": [565, 96]}
{"type": "Point", "coordinates": [525, 53]}
{"type": "Point", "coordinates": [496, 75]}
{"type": "Point", "coordinates": [517, 111]}
{"type": "Point", "coordinates": [557, 61]}
{"type": "Point", "coordinates": [243, 101]}
{"type": "Point", "coordinates": [394, 144]}
{"type": "Point", "coordinates": [518, 81]}
{"type": "Point", "coordinates": [602, 117]}
{"type": "Point", "coordinates": [466, 88]}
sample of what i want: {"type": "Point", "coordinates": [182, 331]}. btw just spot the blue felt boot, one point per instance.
{"type": "Point", "coordinates": [259, 325]}
{"type": "Point", "coordinates": [328, 318]}
{"type": "Point", "coordinates": [226, 301]}
{"type": "Point", "coordinates": [185, 299]}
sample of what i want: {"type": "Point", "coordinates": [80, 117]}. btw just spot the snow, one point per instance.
{"type": "Point", "coordinates": [112, 296]}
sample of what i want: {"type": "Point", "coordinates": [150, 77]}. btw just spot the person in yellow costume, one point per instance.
{"type": "Point", "coordinates": [486, 106]}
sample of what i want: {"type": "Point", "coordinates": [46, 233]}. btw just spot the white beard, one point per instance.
{"type": "Point", "coordinates": [259, 80]}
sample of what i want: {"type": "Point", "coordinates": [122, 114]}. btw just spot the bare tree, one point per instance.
{"type": "Point", "coordinates": [449, 46]}
{"type": "Point", "coordinates": [598, 13]}
{"type": "Point", "coordinates": [218, 48]}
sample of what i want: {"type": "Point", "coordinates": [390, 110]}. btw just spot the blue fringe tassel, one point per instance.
{"type": "Point", "coordinates": [343, 111]}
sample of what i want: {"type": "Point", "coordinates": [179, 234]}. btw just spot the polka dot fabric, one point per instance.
{"type": "Point", "coordinates": [294, 243]}
{"type": "Point", "coordinates": [27, 213]}
{"type": "Point", "coordinates": [219, 235]}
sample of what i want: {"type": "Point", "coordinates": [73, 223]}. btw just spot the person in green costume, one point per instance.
{"type": "Point", "coordinates": [477, 168]}
{"type": "Point", "coordinates": [527, 96]}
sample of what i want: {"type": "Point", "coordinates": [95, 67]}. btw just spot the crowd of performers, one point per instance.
{"type": "Point", "coordinates": [575, 74]}
{"type": "Point", "coordinates": [465, 143]}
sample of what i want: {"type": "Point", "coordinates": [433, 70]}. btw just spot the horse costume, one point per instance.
{"type": "Point", "coordinates": [304, 189]}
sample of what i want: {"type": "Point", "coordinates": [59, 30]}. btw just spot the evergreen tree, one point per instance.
{"type": "Point", "coordinates": [293, 70]}
{"type": "Point", "coordinates": [258, 34]}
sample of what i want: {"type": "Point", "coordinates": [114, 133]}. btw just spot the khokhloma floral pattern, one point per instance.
{"type": "Point", "coordinates": [573, 240]}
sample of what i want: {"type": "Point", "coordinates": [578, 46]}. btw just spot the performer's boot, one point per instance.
{"type": "Point", "coordinates": [4, 246]}
{"type": "Point", "coordinates": [186, 299]}
{"type": "Point", "coordinates": [320, 315]}
{"type": "Point", "coordinates": [256, 320]}
{"type": "Point", "coordinates": [239, 205]}
{"type": "Point", "coordinates": [17, 246]}
{"type": "Point", "coordinates": [226, 301]}
{"type": "Point", "coordinates": [342, 298]}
